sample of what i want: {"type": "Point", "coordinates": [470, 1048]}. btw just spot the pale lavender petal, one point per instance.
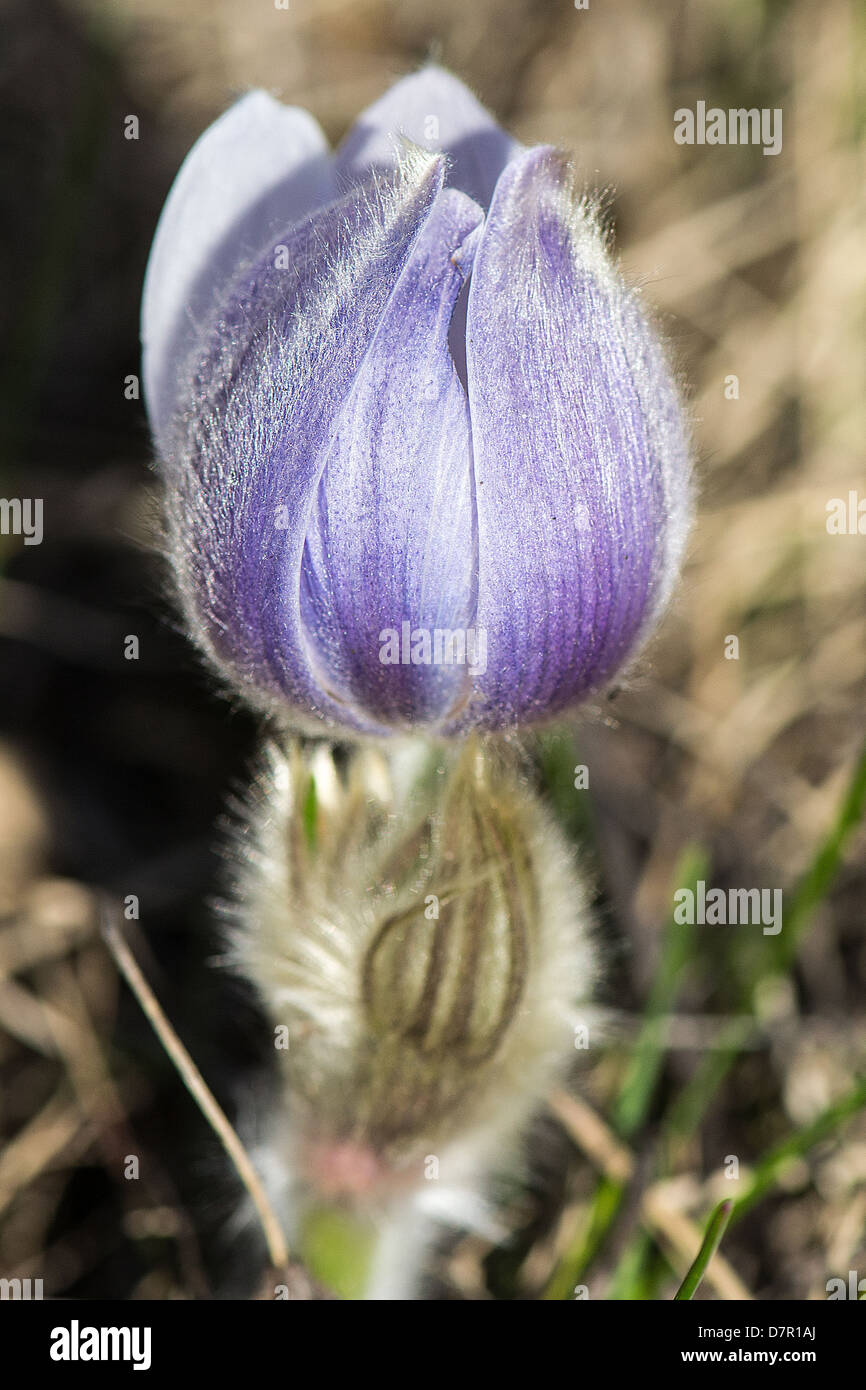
{"type": "Point", "coordinates": [254, 172]}
{"type": "Point", "coordinates": [391, 541]}
{"type": "Point", "coordinates": [581, 460]}
{"type": "Point", "coordinates": [244, 466]}
{"type": "Point", "coordinates": [433, 109]}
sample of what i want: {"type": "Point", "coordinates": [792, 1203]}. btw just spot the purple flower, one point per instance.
{"type": "Point", "coordinates": [424, 461]}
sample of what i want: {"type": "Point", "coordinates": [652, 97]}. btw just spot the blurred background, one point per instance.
{"type": "Point", "coordinates": [731, 1062]}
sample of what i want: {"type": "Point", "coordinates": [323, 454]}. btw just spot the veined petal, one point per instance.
{"type": "Point", "coordinates": [433, 109]}
{"type": "Point", "coordinates": [244, 466]}
{"type": "Point", "coordinates": [389, 563]}
{"type": "Point", "coordinates": [255, 171]}
{"type": "Point", "coordinates": [581, 460]}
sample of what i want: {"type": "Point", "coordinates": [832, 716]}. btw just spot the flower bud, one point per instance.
{"type": "Point", "coordinates": [424, 460]}
{"type": "Point", "coordinates": [424, 946]}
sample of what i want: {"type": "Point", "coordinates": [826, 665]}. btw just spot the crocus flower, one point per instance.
{"type": "Point", "coordinates": [425, 463]}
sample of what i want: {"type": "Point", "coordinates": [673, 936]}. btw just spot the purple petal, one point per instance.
{"type": "Point", "coordinates": [244, 467]}
{"type": "Point", "coordinates": [391, 541]}
{"type": "Point", "coordinates": [581, 461]}
{"type": "Point", "coordinates": [432, 109]}
{"type": "Point", "coordinates": [254, 172]}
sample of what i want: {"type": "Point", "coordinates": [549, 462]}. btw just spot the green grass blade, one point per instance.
{"type": "Point", "coordinates": [638, 1087]}
{"type": "Point", "coordinates": [637, 1090]}
{"type": "Point", "coordinates": [818, 879]}
{"type": "Point", "coordinates": [715, 1230]}
{"type": "Point", "coordinates": [629, 1278]}
{"type": "Point", "coordinates": [687, 1113]}
{"type": "Point", "coordinates": [769, 1168]}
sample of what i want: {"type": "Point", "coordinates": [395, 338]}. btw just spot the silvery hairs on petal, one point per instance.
{"type": "Point", "coordinates": [406, 384]}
